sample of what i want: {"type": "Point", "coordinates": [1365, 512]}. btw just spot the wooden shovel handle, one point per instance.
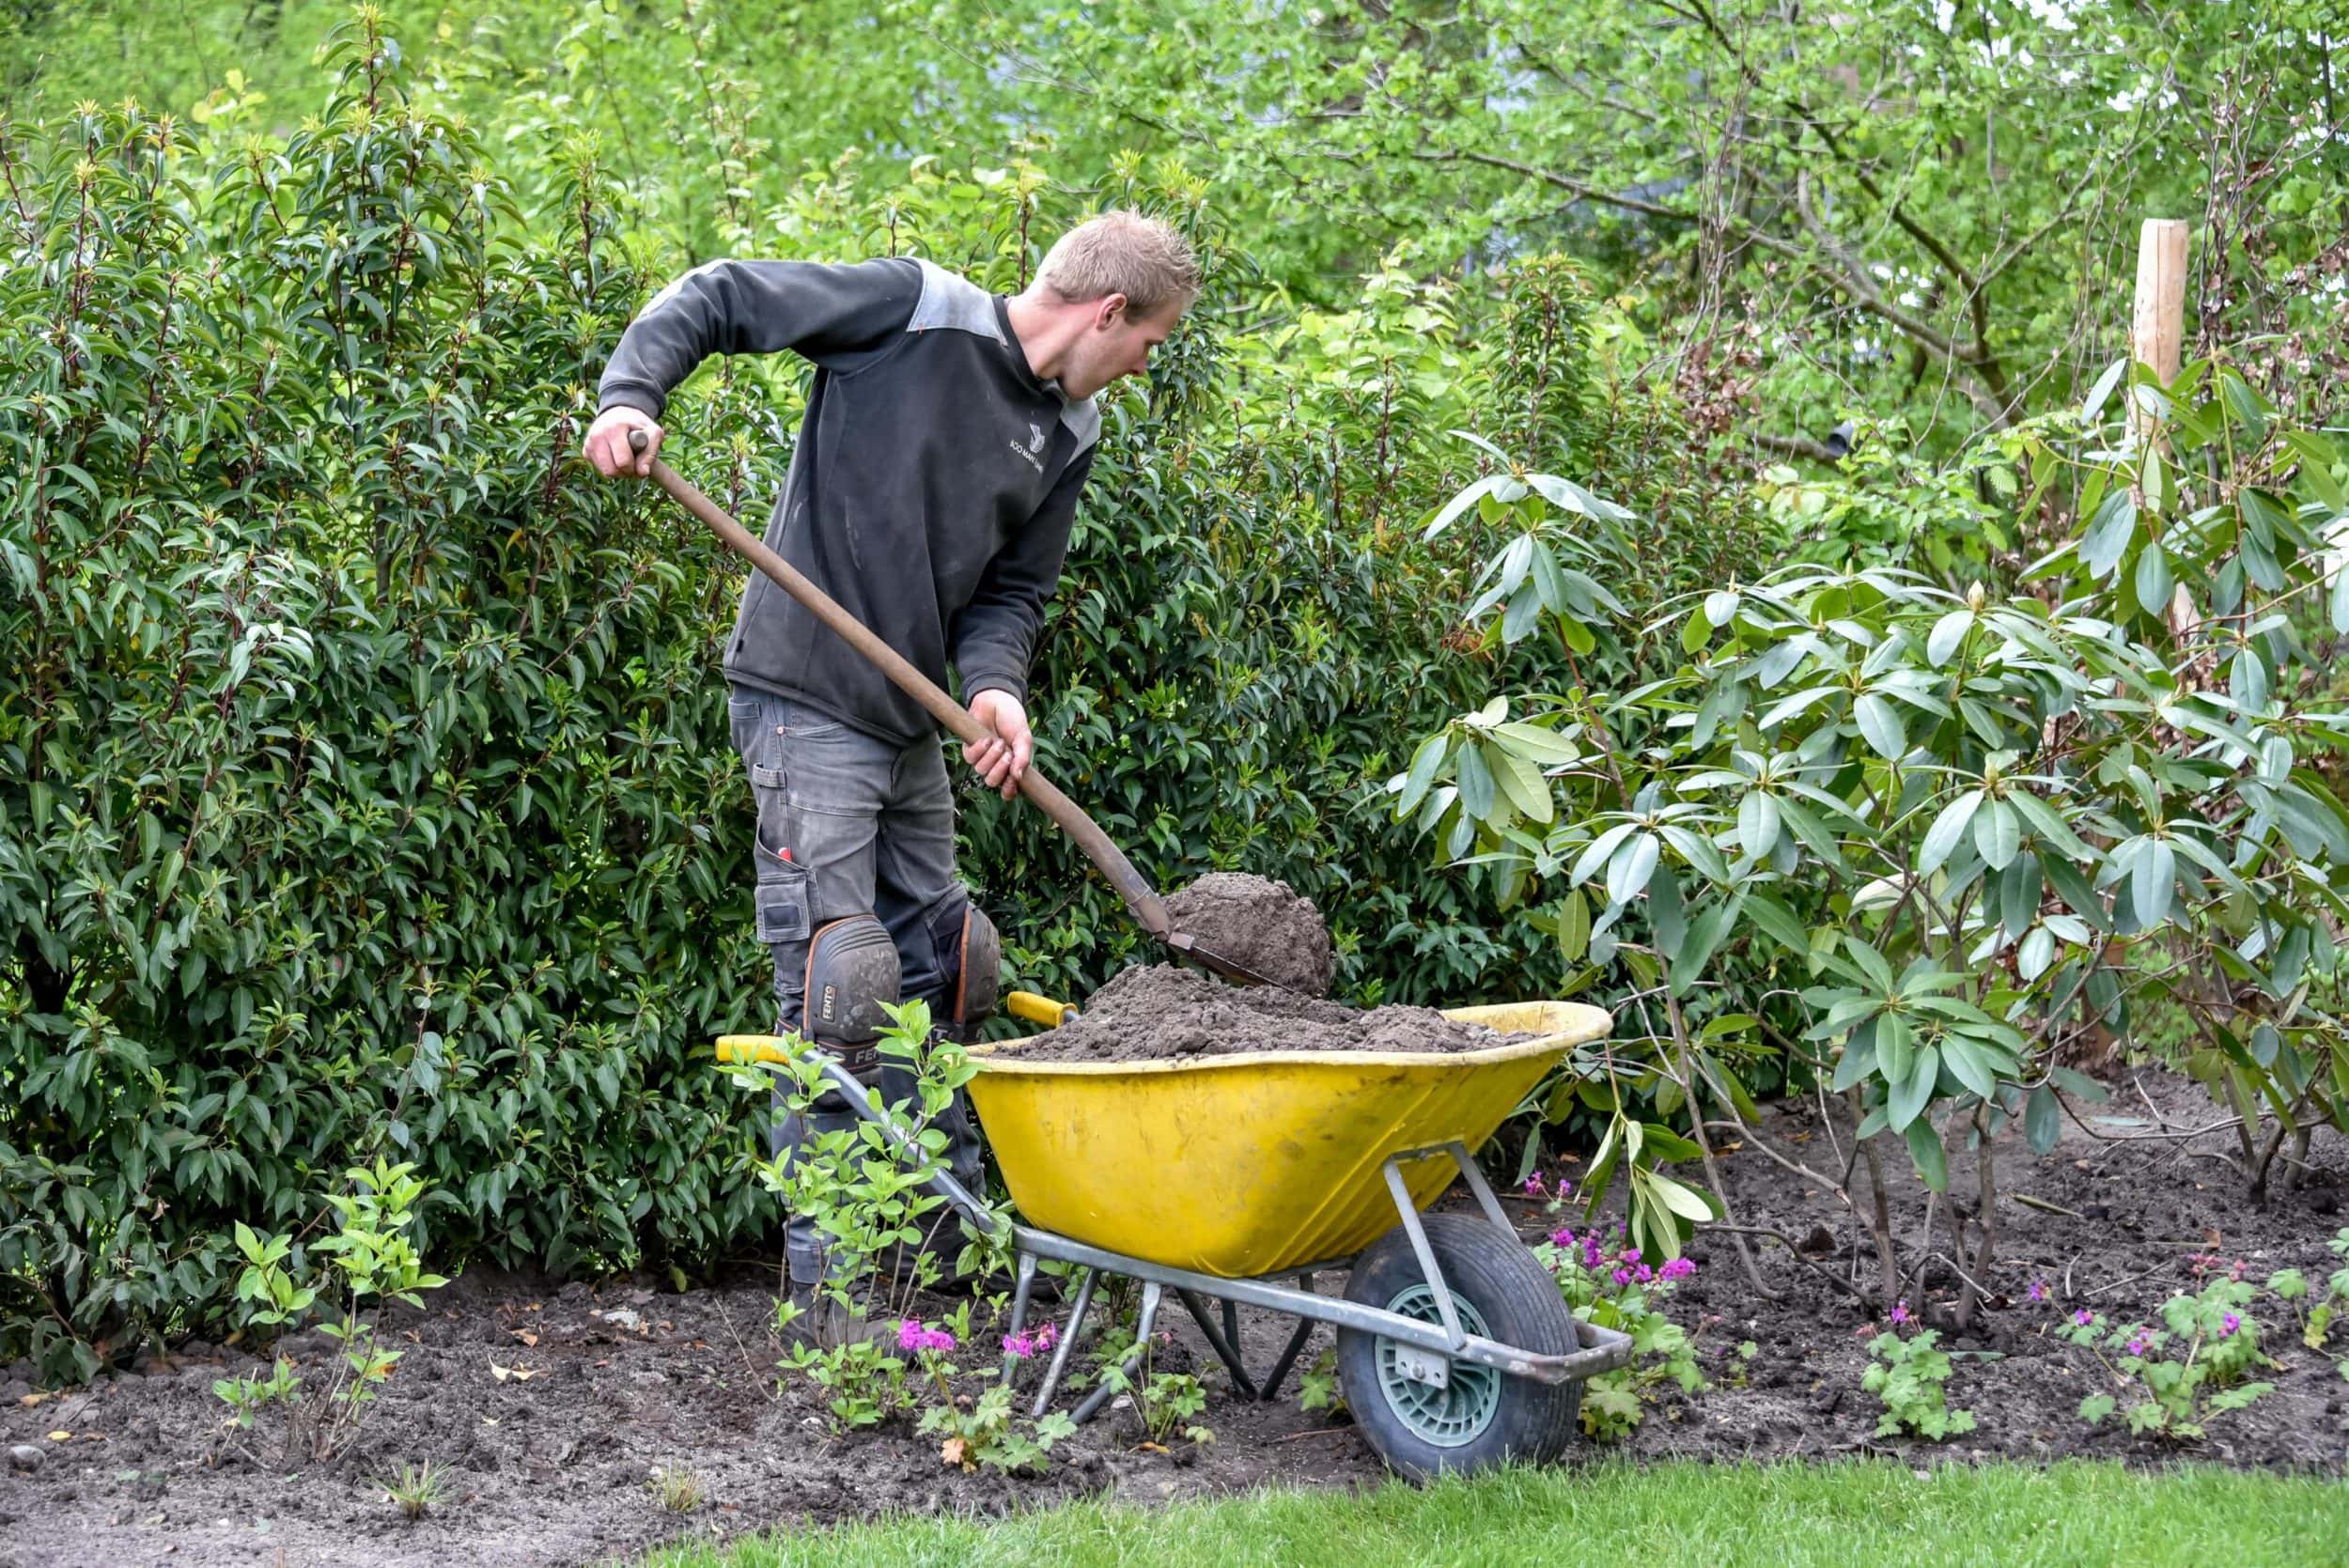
{"type": "Point", "coordinates": [1129, 883]}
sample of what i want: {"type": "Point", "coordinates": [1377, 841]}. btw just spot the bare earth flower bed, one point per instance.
{"type": "Point", "coordinates": [549, 1464]}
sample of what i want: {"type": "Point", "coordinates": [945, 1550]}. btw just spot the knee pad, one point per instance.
{"type": "Point", "coordinates": [971, 961]}
{"type": "Point", "coordinates": [852, 968]}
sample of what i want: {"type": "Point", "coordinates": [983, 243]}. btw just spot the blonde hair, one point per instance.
{"type": "Point", "coordinates": [1124, 252]}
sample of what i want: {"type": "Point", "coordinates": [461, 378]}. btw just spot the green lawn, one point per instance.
{"type": "Point", "coordinates": [1716, 1517]}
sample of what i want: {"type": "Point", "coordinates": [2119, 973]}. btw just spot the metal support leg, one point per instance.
{"type": "Point", "coordinates": [1060, 1351]}
{"type": "Point", "coordinates": [1485, 1199]}
{"type": "Point", "coordinates": [1224, 1344]}
{"type": "Point", "coordinates": [1289, 1352]}
{"type": "Point", "coordinates": [1019, 1312]}
{"type": "Point", "coordinates": [1418, 1234]}
{"type": "Point", "coordinates": [1151, 1292]}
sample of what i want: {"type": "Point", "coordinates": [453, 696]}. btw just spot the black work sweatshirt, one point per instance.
{"type": "Point", "coordinates": [932, 488]}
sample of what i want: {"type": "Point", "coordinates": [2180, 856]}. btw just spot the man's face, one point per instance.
{"type": "Point", "coordinates": [1117, 344]}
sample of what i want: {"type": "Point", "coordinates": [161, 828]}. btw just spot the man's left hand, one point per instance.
{"type": "Point", "coordinates": [1002, 758]}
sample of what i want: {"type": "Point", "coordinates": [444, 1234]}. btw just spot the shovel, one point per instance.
{"type": "Point", "coordinates": [1138, 895]}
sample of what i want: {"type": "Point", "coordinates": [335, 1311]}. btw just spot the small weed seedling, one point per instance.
{"type": "Point", "coordinates": [1168, 1400]}
{"type": "Point", "coordinates": [248, 1396]}
{"type": "Point", "coordinates": [2221, 1347]}
{"type": "Point", "coordinates": [415, 1489]}
{"type": "Point", "coordinates": [1912, 1377]}
{"type": "Point", "coordinates": [678, 1490]}
{"type": "Point", "coordinates": [1318, 1388]}
{"type": "Point", "coordinates": [2291, 1287]}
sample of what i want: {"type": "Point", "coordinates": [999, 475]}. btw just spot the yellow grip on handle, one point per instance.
{"type": "Point", "coordinates": [1038, 1009]}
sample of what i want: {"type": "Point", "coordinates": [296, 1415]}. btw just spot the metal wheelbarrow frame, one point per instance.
{"type": "Point", "coordinates": [1422, 1351]}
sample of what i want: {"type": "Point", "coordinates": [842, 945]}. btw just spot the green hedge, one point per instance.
{"type": "Point", "coordinates": [364, 777]}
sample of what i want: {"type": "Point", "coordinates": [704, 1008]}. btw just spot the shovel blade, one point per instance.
{"type": "Point", "coordinates": [1186, 945]}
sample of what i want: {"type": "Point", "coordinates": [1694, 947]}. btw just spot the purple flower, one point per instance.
{"type": "Point", "coordinates": [1901, 1312]}
{"type": "Point", "coordinates": [1631, 1254]}
{"type": "Point", "coordinates": [1018, 1347]}
{"type": "Point", "coordinates": [1679, 1269]}
{"type": "Point", "coordinates": [914, 1336]}
{"type": "Point", "coordinates": [2083, 1317]}
{"type": "Point", "coordinates": [1566, 1188]}
{"type": "Point", "coordinates": [2039, 1290]}
{"type": "Point", "coordinates": [1562, 1238]}
{"type": "Point", "coordinates": [1047, 1336]}
{"type": "Point", "coordinates": [1644, 1274]}
{"type": "Point", "coordinates": [2137, 1343]}
{"type": "Point", "coordinates": [1534, 1184]}
{"type": "Point", "coordinates": [1623, 1275]}
{"type": "Point", "coordinates": [2229, 1324]}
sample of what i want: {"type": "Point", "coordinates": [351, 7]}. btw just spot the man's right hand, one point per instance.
{"type": "Point", "coordinates": [607, 442]}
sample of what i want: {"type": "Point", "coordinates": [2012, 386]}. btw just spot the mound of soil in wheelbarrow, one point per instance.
{"type": "Point", "coordinates": [1157, 1012]}
{"type": "Point", "coordinates": [1265, 925]}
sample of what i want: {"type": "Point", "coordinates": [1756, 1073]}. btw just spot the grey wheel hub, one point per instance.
{"type": "Point", "coordinates": [1457, 1413]}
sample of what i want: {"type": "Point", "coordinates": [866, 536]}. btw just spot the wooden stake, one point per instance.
{"type": "Point", "coordinates": [2155, 335]}
{"type": "Point", "coordinates": [2161, 322]}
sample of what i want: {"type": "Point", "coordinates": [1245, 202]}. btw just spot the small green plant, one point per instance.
{"type": "Point", "coordinates": [865, 1187]}
{"type": "Point", "coordinates": [415, 1489]}
{"type": "Point", "coordinates": [378, 1263]}
{"type": "Point", "coordinates": [2293, 1287]}
{"type": "Point", "coordinates": [1167, 1401]}
{"type": "Point", "coordinates": [1615, 1287]}
{"type": "Point", "coordinates": [1912, 1376]}
{"type": "Point", "coordinates": [985, 1429]}
{"type": "Point", "coordinates": [247, 1396]}
{"type": "Point", "coordinates": [266, 1282]}
{"type": "Point", "coordinates": [2221, 1347]}
{"type": "Point", "coordinates": [679, 1490]}
{"type": "Point", "coordinates": [865, 1385]}
{"type": "Point", "coordinates": [1317, 1387]}
{"type": "Point", "coordinates": [1164, 1402]}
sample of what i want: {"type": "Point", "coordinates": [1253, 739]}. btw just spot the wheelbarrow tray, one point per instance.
{"type": "Point", "coordinates": [1249, 1165]}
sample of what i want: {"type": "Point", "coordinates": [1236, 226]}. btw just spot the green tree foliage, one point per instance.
{"type": "Point", "coordinates": [1919, 214]}
{"type": "Point", "coordinates": [1918, 843]}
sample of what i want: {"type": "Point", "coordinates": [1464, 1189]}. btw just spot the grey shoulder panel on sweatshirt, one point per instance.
{"type": "Point", "coordinates": [948, 301]}
{"type": "Point", "coordinates": [1083, 420]}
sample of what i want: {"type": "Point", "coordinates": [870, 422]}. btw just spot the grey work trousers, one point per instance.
{"type": "Point", "coordinates": [870, 830]}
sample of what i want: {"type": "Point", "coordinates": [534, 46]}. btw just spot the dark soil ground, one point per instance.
{"type": "Point", "coordinates": [551, 1468]}
{"type": "Point", "coordinates": [1265, 925]}
{"type": "Point", "coordinates": [1160, 1013]}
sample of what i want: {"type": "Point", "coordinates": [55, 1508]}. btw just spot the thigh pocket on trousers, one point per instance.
{"type": "Point", "coordinates": [782, 897]}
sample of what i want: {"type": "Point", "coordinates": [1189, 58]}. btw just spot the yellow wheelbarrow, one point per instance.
{"type": "Point", "coordinates": [1241, 1180]}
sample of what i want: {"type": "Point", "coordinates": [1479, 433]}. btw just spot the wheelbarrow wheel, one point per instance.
{"type": "Point", "coordinates": [1483, 1417]}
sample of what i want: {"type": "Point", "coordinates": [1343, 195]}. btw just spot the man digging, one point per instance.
{"type": "Point", "coordinates": [948, 433]}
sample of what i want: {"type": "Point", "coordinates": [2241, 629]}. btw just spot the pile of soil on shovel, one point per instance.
{"type": "Point", "coordinates": [1262, 925]}
{"type": "Point", "coordinates": [1158, 1013]}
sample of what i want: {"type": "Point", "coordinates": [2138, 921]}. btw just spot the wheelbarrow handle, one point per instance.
{"type": "Point", "coordinates": [1099, 848]}
{"type": "Point", "coordinates": [1038, 1009]}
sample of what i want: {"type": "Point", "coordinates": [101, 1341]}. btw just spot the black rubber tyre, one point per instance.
{"type": "Point", "coordinates": [1485, 1416]}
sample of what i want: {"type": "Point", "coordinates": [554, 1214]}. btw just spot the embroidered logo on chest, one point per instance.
{"type": "Point", "coordinates": [1028, 454]}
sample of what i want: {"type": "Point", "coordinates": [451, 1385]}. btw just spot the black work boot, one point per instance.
{"type": "Point", "coordinates": [827, 1323]}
